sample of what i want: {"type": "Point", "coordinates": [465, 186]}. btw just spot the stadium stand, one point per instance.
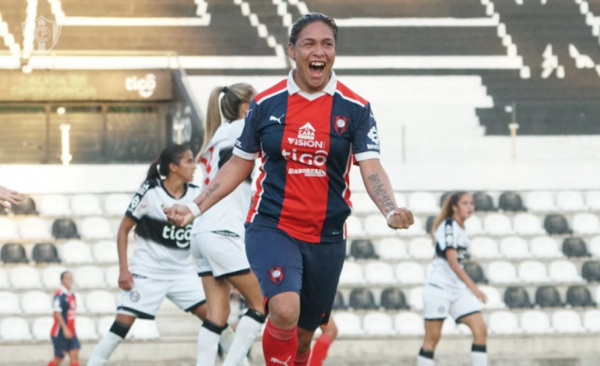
{"type": "Point", "coordinates": [45, 253]}
{"type": "Point", "coordinates": [517, 297]}
{"type": "Point", "coordinates": [393, 299]}
{"type": "Point", "coordinates": [13, 253]}
{"type": "Point", "coordinates": [27, 207]}
{"type": "Point", "coordinates": [511, 201]}
{"type": "Point", "coordinates": [64, 229]}
{"type": "Point", "coordinates": [362, 249]}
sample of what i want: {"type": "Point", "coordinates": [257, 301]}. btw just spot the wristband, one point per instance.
{"type": "Point", "coordinates": [389, 214]}
{"type": "Point", "coordinates": [194, 208]}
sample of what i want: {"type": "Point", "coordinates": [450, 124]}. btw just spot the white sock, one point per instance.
{"type": "Point", "coordinates": [479, 355]}
{"type": "Point", "coordinates": [227, 340]}
{"type": "Point", "coordinates": [208, 344]}
{"type": "Point", "coordinates": [425, 358]}
{"type": "Point", "coordinates": [245, 334]}
{"type": "Point", "coordinates": [104, 349]}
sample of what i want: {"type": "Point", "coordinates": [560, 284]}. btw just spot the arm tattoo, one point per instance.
{"type": "Point", "coordinates": [212, 190]}
{"type": "Point", "coordinates": [381, 193]}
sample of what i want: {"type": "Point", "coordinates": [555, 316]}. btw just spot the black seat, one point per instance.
{"type": "Point", "coordinates": [338, 302]}
{"type": "Point", "coordinates": [64, 229]}
{"type": "Point", "coordinates": [556, 224]}
{"type": "Point", "coordinates": [27, 207]}
{"type": "Point", "coordinates": [483, 202]}
{"type": "Point", "coordinates": [511, 201]}
{"type": "Point", "coordinates": [45, 253]}
{"type": "Point", "coordinates": [579, 296]}
{"type": "Point", "coordinates": [475, 271]}
{"type": "Point", "coordinates": [393, 299]}
{"type": "Point", "coordinates": [429, 224]}
{"type": "Point", "coordinates": [575, 247]}
{"type": "Point", "coordinates": [547, 296]}
{"type": "Point", "coordinates": [517, 297]}
{"type": "Point", "coordinates": [13, 253]}
{"type": "Point", "coordinates": [591, 271]}
{"type": "Point", "coordinates": [362, 299]}
{"type": "Point", "coordinates": [443, 198]}
{"type": "Point", "coordinates": [362, 249]}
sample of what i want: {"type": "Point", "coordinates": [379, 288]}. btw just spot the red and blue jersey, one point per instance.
{"type": "Point", "coordinates": [307, 143]}
{"type": "Point", "coordinates": [64, 303]}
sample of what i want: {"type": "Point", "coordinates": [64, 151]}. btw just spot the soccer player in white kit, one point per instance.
{"type": "Point", "coordinates": [448, 289]}
{"type": "Point", "coordinates": [218, 236]}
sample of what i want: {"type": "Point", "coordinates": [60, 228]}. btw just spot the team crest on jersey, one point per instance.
{"type": "Point", "coordinates": [134, 296]}
{"type": "Point", "coordinates": [276, 274]}
{"type": "Point", "coordinates": [340, 124]}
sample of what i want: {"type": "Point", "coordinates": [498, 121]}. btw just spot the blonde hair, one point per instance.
{"type": "Point", "coordinates": [447, 212]}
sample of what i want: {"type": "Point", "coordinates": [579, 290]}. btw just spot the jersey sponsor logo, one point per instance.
{"type": "Point", "coordinates": [278, 120]}
{"type": "Point", "coordinates": [340, 124]}
{"type": "Point", "coordinates": [181, 235]}
{"type": "Point", "coordinates": [143, 189]}
{"type": "Point", "coordinates": [306, 132]}
{"type": "Point", "coordinates": [238, 144]}
{"type": "Point", "coordinates": [308, 172]}
{"type": "Point", "coordinates": [134, 202]}
{"type": "Point", "coordinates": [306, 143]}
{"type": "Point", "coordinates": [144, 86]}
{"type": "Point", "coordinates": [373, 135]}
{"type": "Point", "coordinates": [276, 274]}
{"type": "Point", "coordinates": [319, 158]}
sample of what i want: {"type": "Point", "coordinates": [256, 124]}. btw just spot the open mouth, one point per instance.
{"type": "Point", "coordinates": [316, 68]}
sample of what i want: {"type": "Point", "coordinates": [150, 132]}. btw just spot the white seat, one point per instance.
{"type": "Point", "coordinates": [474, 225]}
{"type": "Point", "coordinates": [533, 271]}
{"type": "Point", "coordinates": [96, 228]}
{"type": "Point", "coordinates": [514, 247]}
{"type": "Point", "coordinates": [586, 224]}
{"type": "Point", "coordinates": [4, 283]}
{"type": "Point", "coordinates": [376, 323]}
{"type": "Point", "coordinates": [570, 201]}
{"type": "Point", "coordinates": [504, 322]}
{"type": "Point", "coordinates": [86, 205]}
{"type": "Point", "coordinates": [352, 273]}
{"type": "Point", "coordinates": [80, 301]}
{"type": "Point", "coordinates": [14, 329]}
{"type": "Point", "coordinates": [354, 227]}
{"type": "Point", "coordinates": [100, 302]}
{"type": "Point", "coordinates": [423, 202]}
{"type": "Point", "coordinates": [104, 325]}
{"type": "Point", "coordinates": [76, 252]}
{"type": "Point", "coordinates": [502, 272]}
{"type": "Point", "coordinates": [42, 327]}
{"type": "Point", "coordinates": [497, 224]}
{"type": "Point", "coordinates": [348, 323]}
{"type": "Point", "coordinates": [593, 247]}
{"type": "Point", "coordinates": [400, 200]}
{"type": "Point", "coordinates": [34, 228]}
{"type": "Point", "coordinates": [410, 273]}
{"type": "Point", "coordinates": [563, 271]}
{"type": "Point", "coordinates": [106, 252]}
{"type": "Point", "coordinates": [112, 276]}
{"type": "Point", "coordinates": [392, 248]}
{"type": "Point", "coordinates": [540, 201]}
{"type": "Point", "coordinates": [51, 276]}
{"type": "Point", "coordinates": [415, 298]}
{"type": "Point", "coordinates": [591, 320]}
{"type": "Point", "coordinates": [8, 229]}
{"type": "Point", "coordinates": [36, 302]}
{"type": "Point", "coordinates": [116, 204]}
{"type": "Point", "coordinates": [545, 247]}
{"type": "Point", "coordinates": [528, 224]}
{"type": "Point", "coordinates": [449, 327]}
{"type": "Point", "coordinates": [484, 247]}
{"type": "Point", "coordinates": [25, 277]}
{"type": "Point", "coordinates": [379, 272]}
{"type": "Point", "coordinates": [408, 323]}
{"type": "Point", "coordinates": [567, 321]}
{"type": "Point", "coordinates": [362, 204]}
{"type": "Point", "coordinates": [9, 303]}
{"type": "Point", "coordinates": [421, 248]}
{"type": "Point", "coordinates": [494, 300]}
{"type": "Point", "coordinates": [415, 229]}
{"type": "Point", "coordinates": [54, 205]}
{"type": "Point", "coordinates": [592, 200]}
{"type": "Point", "coordinates": [376, 225]}
{"type": "Point", "coordinates": [89, 277]}
{"type": "Point", "coordinates": [86, 328]}
{"type": "Point", "coordinates": [535, 322]}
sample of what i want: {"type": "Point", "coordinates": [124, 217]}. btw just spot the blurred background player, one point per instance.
{"type": "Point", "coordinates": [319, 351]}
{"type": "Point", "coordinates": [63, 334]}
{"type": "Point", "coordinates": [449, 290]}
{"type": "Point", "coordinates": [218, 237]}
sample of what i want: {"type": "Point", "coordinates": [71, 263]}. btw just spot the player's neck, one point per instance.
{"type": "Point", "coordinates": [174, 186]}
{"type": "Point", "coordinates": [459, 220]}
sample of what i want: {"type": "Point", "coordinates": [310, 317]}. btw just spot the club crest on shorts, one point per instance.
{"type": "Point", "coordinates": [340, 124]}
{"type": "Point", "coordinates": [134, 296]}
{"type": "Point", "coordinates": [276, 274]}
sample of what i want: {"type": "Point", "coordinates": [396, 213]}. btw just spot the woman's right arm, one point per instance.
{"type": "Point", "coordinates": [452, 258]}
{"type": "Point", "coordinates": [125, 277]}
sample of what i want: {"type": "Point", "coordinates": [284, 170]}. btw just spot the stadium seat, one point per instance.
{"type": "Point", "coordinates": [25, 277]}
{"type": "Point", "coordinates": [379, 273]}
{"type": "Point", "coordinates": [104, 325]}
{"type": "Point", "coordinates": [586, 224]}
{"type": "Point", "coordinates": [483, 247]}
{"type": "Point", "coordinates": [363, 205]}
{"type": "Point", "coordinates": [514, 247]}
{"type": "Point", "coordinates": [528, 224]}
{"type": "Point", "coordinates": [591, 320]}
{"type": "Point", "coordinates": [34, 228]}
{"type": "Point", "coordinates": [532, 272]}
{"type": "Point", "coordinates": [563, 271]}
{"type": "Point", "coordinates": [89, 277]}
{"type": "Point", "coordinates": [535, 322]}
{"type": "Point", "coordinates": [100, 302]}
{"type": "Point", "coordinates": [494, 300]}
{"type": "Point", "coordinates": [86, 328]}
{"type": "Point", "coordinates": [511, 201]}
{"type": "Point", "coordinates": [449, 327]}
{"type": "Point", "coordinates": [354, 227]}
{"type": "Point", "coordinates": [86, 205]}
{"type": "Point", "coordinates": [45, 253]}
{"type": "Point", "coordinates": [504, 322]}
{"type": "Point", "coordinates": [106, 252]}
{"type": "Point", "coordinates": [338, 302]}
{"type": "Point", "coordinates": [393, 299]}
{"type": "Point", "coordinates": [567, 321]}
{"type": "Point", "coordinates": [443, 198]}
{"type": "Point", "coordinates": [376, 323]}
{"type": "Point", "coordinates": [348, 323]}
{"type": "Point", "coordinates": [352, 273]}
{"type": "Point", "coordinates": [80, 300]}
{"type": "Point", "coordinates": [36, 302]}
{"type": "Point", "coordinates": [415, 298]}
{"type": "Point", "coordinates": [112, 277]}
{"type": "Point", "coordinates": [9, 303]}
{"type": "Point", "coordinates": [375, 225]}
{"type": "Point", "coordinates": [14, 329]}
{"type": "Point", "coordinates": [51, 276]}
{"type": "Point", "coordinates": [76, 252]}
{"type": "Point", "coordinates": [540, 201]}
{"type": "Point", "coordinates": [575, 247]}
{"type": "Point", "coordinates": [410, 273]}
{"type": "Point", "coordinates": [13, 253]}
{"type": "Point", "coordinates": [362, 249]}
{"type": "Point", "coordinates": [579, 296]}
{"type": "Point", "coordinates": [475, 271]}
{"type": "Point", "coordinates": [517, 297]}
{"type": "Point", "coordinates": [594, 246]}
{"type": "Point", "coordinates": [556, 224]}
{"type": "Point", "coordinates": [429, 224]}
{"type": "Point", "coordinates": [474, 225]}
{"type": "Point", "coordinates": [415, 229]}
{"type": "Point", "coordinates": [545, 247]}
{"type": "Point", "coordinates": [64, 229]}
{"type": "Point", "coordinates": [592, 200]}
{"type": "Point", "coordinates": [116, 204]}
{"type": "Point", "coordinates": [8, 229]}
{"type": "Point", "coordinates": [55, 205]}
{"type": "Point", "coordinates": [408, 323]}
{"type": "Point", "coordinates": [392, 248]}
{"type": "Point", "coordinates": [4, 283]}
{"type": "Point", "coordinates": [41, 328]}
{"type": "Point", "coordinates": [502, 272]}
{"type": "Point", "coordinates": [483, 202]}
{"type": "Point", "coordinates": [547, 297]}
{"type": "Point", "coordinates": [497, 224]}
{"type": "Point", "coordinates": [590, 271]}
{"type": "Point", "coordinates": [570, 201]}
{"type": "Point", "coordinates": [99, 228]}
{"type": "Point", "coordinates": [362, 299]}
{"type": "Point", "coordinates": [27, 207]}
{"type": "Point", "coordinates": [421, 248]}
{"type": "Point", "coordinates": [423, 203]}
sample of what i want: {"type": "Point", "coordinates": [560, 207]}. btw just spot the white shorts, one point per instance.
{"type": "Point", "coordinates": [219, 254]}
{"type": "Point", "coordinates": [147, 294]}
{"type": "Point", "coordinates": [439, 302]}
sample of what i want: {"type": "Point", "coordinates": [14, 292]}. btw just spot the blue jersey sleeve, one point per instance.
{"type": "Point", "coordinates": [247, 145]}
{"type": "Point", "coordinates": [364, 135]}
{"type": "Point", "coordinates": [57, 304]}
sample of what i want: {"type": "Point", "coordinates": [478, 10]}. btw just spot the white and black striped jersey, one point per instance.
{"type": "Point", "coordinates": [229, 214]}
{"type": "Point", "coordinates": [448, 234]}
{"type": "Point", "coordinates": [162, 249]}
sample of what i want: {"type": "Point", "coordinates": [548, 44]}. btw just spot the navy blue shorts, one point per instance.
{"type": "Point", "coordinates": [62, 345]}
{"type": "Point", "coordinates": [284, 264]}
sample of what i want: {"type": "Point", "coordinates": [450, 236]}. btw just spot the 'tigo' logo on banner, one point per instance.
{"type": "Point", "coordinates": [45, 35]}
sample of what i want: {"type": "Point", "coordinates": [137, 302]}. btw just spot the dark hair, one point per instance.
{"type": "Point", "coordinates": [62, 275]}
{"type": "Point", "coordinates": [311, 18]}
{"type": "Point", "coordinates": [447, 212]}
{"type": "Point", "coordinates": [171, 154]}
